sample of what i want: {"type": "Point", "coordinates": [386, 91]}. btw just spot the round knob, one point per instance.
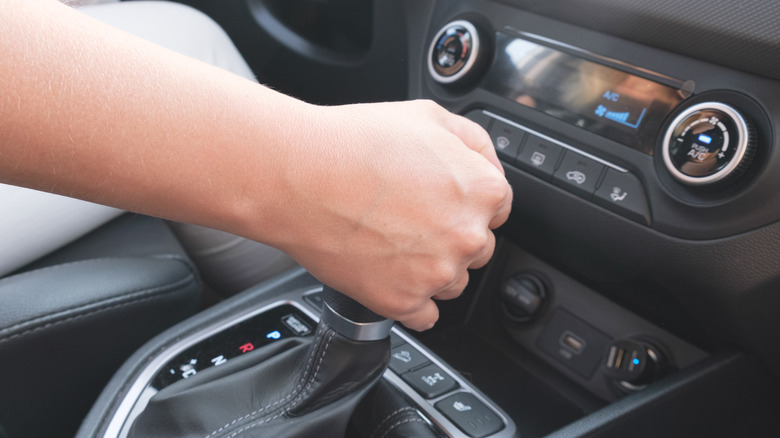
{"type": "Point", "coordinates": [454, 52]}
{"type": "Point", "coordinates": [523, 297]}
{"type": "Point", "coordinates": [708, 143]}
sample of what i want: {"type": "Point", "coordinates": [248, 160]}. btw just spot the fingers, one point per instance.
{"type": "Point", "coordinates": [483, 257]}
{"type": "Point", "coordinates": [423, 318]}
{"type": "Point", "coordinates": [503, 210]}
{"type": "Point", "coordinates": [478, 140]}
{"type": "Point", "coordinates": [475, 138]}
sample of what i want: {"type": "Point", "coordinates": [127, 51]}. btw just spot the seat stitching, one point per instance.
{"type": "Point", "coordinates": [123, 294]}
{"type": "Point", "coordinates": [137, 296]}
{"type": "Point", "coordinates": [61, 265]}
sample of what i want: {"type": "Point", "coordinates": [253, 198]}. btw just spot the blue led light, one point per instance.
{"type": "Point", "coordinates": [705, 139]}
{"type": "Point", "coordinates": [274, 335]}
{"type": "Point", "coordinates": [636, 361]}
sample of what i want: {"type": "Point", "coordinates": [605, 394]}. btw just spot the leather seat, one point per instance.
{"type": "Point", "coordinates": [69, 320]}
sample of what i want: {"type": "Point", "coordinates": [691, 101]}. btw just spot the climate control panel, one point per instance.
{"type": "Point", "coordinates": [654, 148]}
{"type": "Point", "coordinates": [572, 169]}
{"type": "Point", "coordinates": [708, 143]}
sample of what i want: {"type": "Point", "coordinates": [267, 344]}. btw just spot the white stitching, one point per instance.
{"type": "Point", "coordinates": [48, 268]}
{"type": "Point", "coordinates": [300, 396]}
{"type": "Point", "coordinates": [408, 420]}
{"type": "Point", "coordinates": [138, 296]}
{"type": "Point", "coordinates": [292, 394]}
{"type": "Point", "coordinates": [390, 416]}
{"type": "Point", "coordinates": [298, 391]}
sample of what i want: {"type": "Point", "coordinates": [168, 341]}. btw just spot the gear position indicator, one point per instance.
{"type": "Point", "coordinates": [281, 322]}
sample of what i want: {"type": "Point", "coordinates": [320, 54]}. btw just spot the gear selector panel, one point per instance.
{"type": "Point", "coordinates": [278, 323]}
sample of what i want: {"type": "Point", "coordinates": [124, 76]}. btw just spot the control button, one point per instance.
{"type": "Point", "coordinates": [480, 118]}
{"type": "Point", "coordinates": [707, 143]}
{"type": "Point", "coordinates": [454, 52]}
{"type": "Point", "coordinates": [523, 297]}
{"type": "Point", "coordinates": [405, 358]}
{"type": "Point", "coordinates": [430, 381]}
{"type": "Point", "coordinates": [623, 193]}
{"type": "Point", "coordinates": [539, 156]}
{"type": "Point", "coordinates": [296, 325]}
{"type": "Point", "coordinates": [573, 342]}
{"type": "Point", "coordinates": [507, 140]}
{"type": "Point", "coordinates": [578, 173]}
{"type": "Point", "coordinates": [470, 415]}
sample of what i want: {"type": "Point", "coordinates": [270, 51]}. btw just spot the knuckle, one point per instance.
{"type": "Point", "coordinates": [399, 308]}
{"type": "Point", "coordinates": [497, 190]}
{"type": "Point", "coordinates": [474, 240]}
{"type": "Point", "coordinates": [442, 275]}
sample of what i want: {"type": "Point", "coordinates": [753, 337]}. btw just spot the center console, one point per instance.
{"type": "Point", "coordinates": [289, 308]}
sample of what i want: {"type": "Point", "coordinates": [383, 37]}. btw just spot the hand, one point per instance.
{"type": "Point", "coordinates": [393, 203]}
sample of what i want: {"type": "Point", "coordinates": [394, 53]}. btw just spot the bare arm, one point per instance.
{"type": "Point", "coordinates": [388, 202]}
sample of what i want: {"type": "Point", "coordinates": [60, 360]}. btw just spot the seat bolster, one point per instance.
{"type": "Point", "coordinates": [48, 298]}
{"type": "Point", "coordinates": [66, 328]}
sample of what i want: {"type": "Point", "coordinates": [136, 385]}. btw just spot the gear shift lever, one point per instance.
{"type": "Point", "coordinates": [292, 389]}
{"type": "Point", "coordinates": [351, 319]}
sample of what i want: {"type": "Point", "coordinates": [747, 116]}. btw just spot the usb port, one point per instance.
{"type": "Point", "coordinates": [616, 357]}
{"type": "Point", "coordinates": [572, 342]}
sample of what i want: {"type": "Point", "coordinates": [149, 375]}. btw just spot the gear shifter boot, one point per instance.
{"type": "Point", "coordinates": [288, 389]}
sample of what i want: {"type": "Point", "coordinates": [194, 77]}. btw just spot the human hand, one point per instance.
{"type": "Point", "coordinates": [393, 203]}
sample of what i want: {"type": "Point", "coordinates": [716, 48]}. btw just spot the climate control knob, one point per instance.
{"type": "Point", "coordinates": [708, 143]}
{"type": "Point", "coordinates": [454, 53]}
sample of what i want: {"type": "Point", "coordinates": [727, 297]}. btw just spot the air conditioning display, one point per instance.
{"type": "Point", "coordinates": [619, 105]}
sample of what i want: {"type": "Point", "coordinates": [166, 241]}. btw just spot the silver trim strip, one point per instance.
{"type": "Point", "coordinates": [552, 140]}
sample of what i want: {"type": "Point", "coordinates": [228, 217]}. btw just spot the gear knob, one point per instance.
{"type": "Point", "coordinates": [351, 319]}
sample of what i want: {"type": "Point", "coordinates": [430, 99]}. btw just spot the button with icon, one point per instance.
{"type": "Point", "coordinates": [507, 140]}
{"type": "Point", "coordinates": [622, 193]}
{"type": "Point", "coordinates": [539, 156]}
{"type": "Point", "coordinates": [578, 173]}
{"type": "Point", "coordinates": [470, 415]}
{"type": "Point", "coordinates": [405, 357]}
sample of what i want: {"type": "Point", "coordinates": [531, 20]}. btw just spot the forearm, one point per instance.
{"type": "Point", "coordinates": [93, 113]}
{"type": "Point", "coordinates": [390, 203]}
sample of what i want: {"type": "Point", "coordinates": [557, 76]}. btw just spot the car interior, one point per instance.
{"type": "Point", "coordinates": [634, 290]}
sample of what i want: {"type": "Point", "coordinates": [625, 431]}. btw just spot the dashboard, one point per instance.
{"type": "Point", "coordinates": [638, 275]}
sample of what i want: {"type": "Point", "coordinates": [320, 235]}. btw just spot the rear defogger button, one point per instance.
{"type": "Point", "coordinates": [539, 156]}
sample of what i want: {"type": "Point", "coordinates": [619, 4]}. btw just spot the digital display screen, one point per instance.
{"type": "Point", "coordinates": [618, 105]}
